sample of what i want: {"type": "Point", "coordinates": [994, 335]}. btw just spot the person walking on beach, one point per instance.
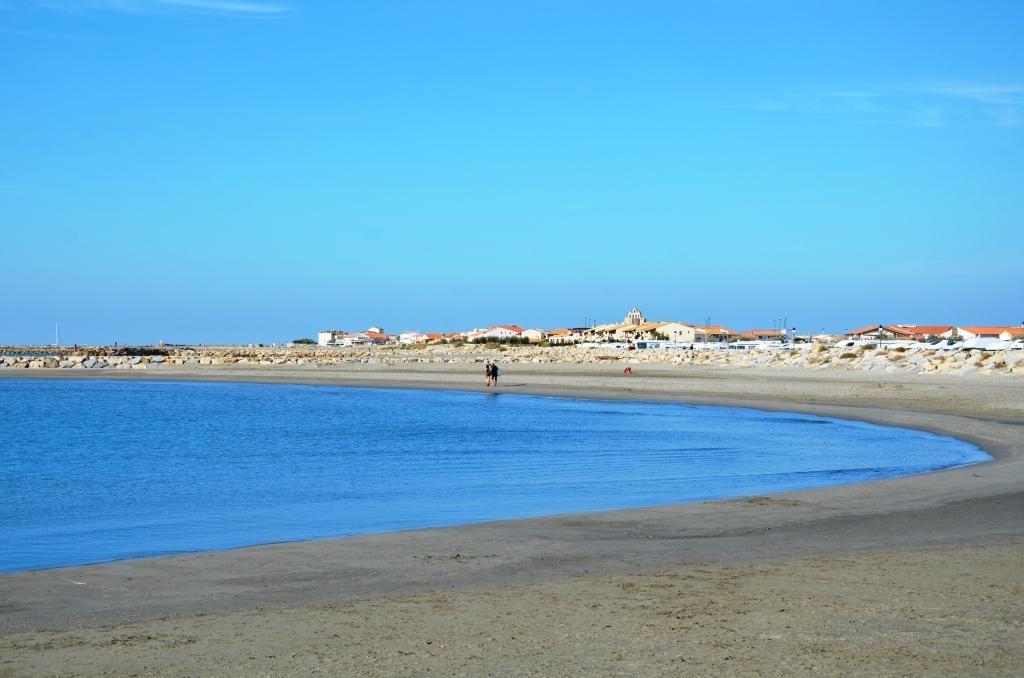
{"type": "Point", "coordinates": [488, 373]}
{"type": "Point", "coordinates": [495, 373]}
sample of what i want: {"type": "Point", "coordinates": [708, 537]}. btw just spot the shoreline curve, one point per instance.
{"type": "Point", "coordinates": [966, 505]}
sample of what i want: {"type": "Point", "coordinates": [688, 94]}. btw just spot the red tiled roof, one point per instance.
{"type": "Point", "coordinates": [891, 329]}
{"type": "Point", "coordinates": [513, 328]}
{"type": "Point", "coordinates": [993, 330]}
{"type": "Point", "coordinates": [905, 330]}
{"type": "Point", "coordinates": [930, 329]}
{"type": "Point", "coordinates": [712, 329]}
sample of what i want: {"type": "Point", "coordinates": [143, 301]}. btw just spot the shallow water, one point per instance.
{"type": "Point", "coordinates": [93, 471]}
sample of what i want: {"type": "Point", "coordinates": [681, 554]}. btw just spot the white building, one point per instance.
{"type": "Point", "coordinates": [500, 332]}
{"type": "Point", "coordinates": [412, 338]}
{"type": "Point", "coordinates": [566, 335]}
{"type": "Point", "coordinates": [680, 332]}
{"type": "Point", "coordinates": [533, 334]}
{"type": "Point", "coordinates": [329, 337]}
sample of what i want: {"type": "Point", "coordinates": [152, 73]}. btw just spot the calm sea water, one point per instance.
{"type": "Point", "coordinates": [93, 471]}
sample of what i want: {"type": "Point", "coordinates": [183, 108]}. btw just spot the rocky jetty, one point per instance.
{"type": "Point", "coordinates": [816, 357]}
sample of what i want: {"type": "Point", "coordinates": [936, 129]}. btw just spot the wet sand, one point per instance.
{"type": "Point", "coordinates": [911, 575]}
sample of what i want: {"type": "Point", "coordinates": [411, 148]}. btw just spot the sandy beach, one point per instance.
{"type": "Point", "coordinates": [916, 575]}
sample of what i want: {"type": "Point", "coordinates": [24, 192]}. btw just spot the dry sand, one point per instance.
{"type": "Point", "coordinates": [909, 576]}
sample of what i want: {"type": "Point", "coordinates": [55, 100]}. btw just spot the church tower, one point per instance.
{"type": "Point", "coordinates": [634, 317]}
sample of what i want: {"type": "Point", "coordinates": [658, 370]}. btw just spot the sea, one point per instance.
{"type": "Point", "coordinates": [94, 471]}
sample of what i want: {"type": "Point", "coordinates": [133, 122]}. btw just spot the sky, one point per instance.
{"type": "Point", "coordinates": [205, 171]}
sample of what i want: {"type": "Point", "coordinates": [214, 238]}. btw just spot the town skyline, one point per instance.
{"type": "Point", "coordinates": [68, 334]}
{"type": "Point", "coordinates": [635, 326]}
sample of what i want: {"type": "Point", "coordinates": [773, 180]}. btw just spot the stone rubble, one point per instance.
{"type": "Point", "coordinates": [818, 357]}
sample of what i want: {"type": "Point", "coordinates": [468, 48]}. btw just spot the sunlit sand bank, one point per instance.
{"type": "Point", "coordinates": [904, 575]}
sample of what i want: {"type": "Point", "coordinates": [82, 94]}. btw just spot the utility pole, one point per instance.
{"type": "Point", "coordinates": [707, 326]}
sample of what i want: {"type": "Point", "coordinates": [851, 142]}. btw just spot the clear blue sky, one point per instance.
{"type": "Point", "coordinates": [207, 170]}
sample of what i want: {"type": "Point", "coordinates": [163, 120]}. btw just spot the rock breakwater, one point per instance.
{"type": "Point", "coordinates": [872, 359]}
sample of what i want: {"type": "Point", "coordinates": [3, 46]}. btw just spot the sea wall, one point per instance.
{"type": "Point", "coordinates": [910, 360]}
{"type": "Point", "coordinates": [817, 357]}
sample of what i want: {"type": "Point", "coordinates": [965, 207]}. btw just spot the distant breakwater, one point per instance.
{"type": "Point", "coordinates": [865, 358]}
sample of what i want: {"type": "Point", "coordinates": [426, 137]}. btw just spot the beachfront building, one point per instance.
{"type": "Point", "coordinates": [342, 338]}
{"type": "Point", "coordinates": [1012, 333]}
{"type": "Point", "coordinates": [473, 334]}
{"type": "Point", "coordinates": [560, 335]}
{"type": "Point", "coordinates": [880, 332]}
{"type": "Point", "coordinates": [374, 335]}
{"type": "Point", "coordinates": [903, 332]}
{"type": "Point", "coordinates": [764, 335]}
{"type": "Point", "coordinates": [680, 332]}
{"type": "Point", "coordinates": [501, 332]}
{"type": "Point", "coordinates": [534, 335]}
{"type": "Point", "coordinates": [377, 336]}
{"type": "Point", "coordinates": [355, 339]}
{"type": "Point", "coordinates": [407, 338]}
{"type": "Point", "coordinates": [637, 332]}
{"type": "Point", "coordinates": [603, 332]}
{"type": "Point", "coordinates": [988, 332]}
{"type": "Point", "coordinates": [330, 337]}
{"type": "Point", "coordinates": [714, 333]}
{"type": "Point", "coordinates": [566, 335]}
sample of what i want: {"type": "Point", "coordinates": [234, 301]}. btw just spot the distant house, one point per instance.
{"type": "Point", "coordinates": [764, 335]}
{"type": "Point", "coordinates": [354, 339]}
{"type": "Point", "coordinates": [329, 337]}
{"type": "Point", "coordinates": [988, 332]}
{"type": "Point", "coordinates": [879, 332]}
{"type": "Point", "coordinates": [906, 332]}
{"type": "Point", "coordinates": [566, 335]}
{"type": "Point", "coordinates": [474, 334]}
{"type": "Point", "coordinates": [500, 332]}
{"type": "Point", "coordinates": [681, 332]}
{"type": "Point", "coordinates": [412, 338]}
{"type": "Point", "coordinates": [603, 332]}
{"type": "Point", "coordinates": [1012, 333]}
{"type": "Point", "coordinates": [635, 332]}
{"type": "Point", "coordinates": [378, 337]}
{"type": "Point", "coordinates": [710, 333]}
{"type": "Point", "coordinates": [925, 332]}
{"type": "Point", "coordinates": [534, 335]}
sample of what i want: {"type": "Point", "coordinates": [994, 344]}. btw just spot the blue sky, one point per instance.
{"type": "Point", "coordinates": [215, 171]}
